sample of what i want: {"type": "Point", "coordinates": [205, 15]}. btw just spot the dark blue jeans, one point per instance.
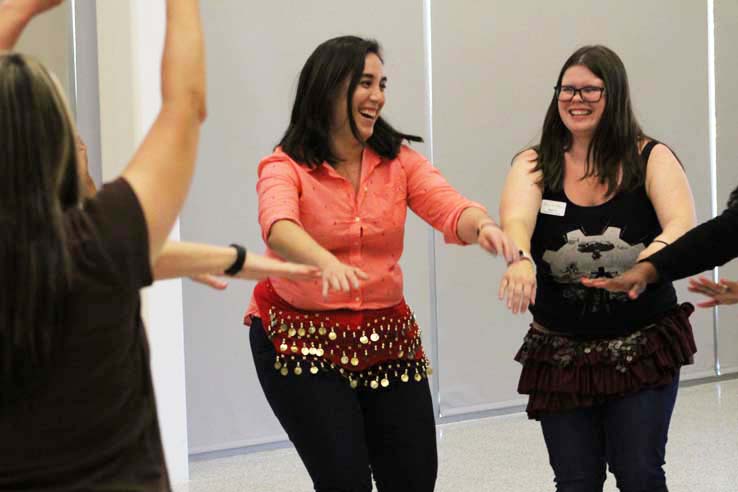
{"type": "Point", "coordinates": [628, 434]}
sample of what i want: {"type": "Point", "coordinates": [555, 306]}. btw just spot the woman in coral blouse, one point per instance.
{"type": "Point", "coordinates": [340, 359]}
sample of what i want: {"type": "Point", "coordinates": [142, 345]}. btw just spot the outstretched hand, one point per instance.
{"type": "Point", "coordinates": [634, 281]}
{"type": "Point", "coordinates": [341, 277]}
{"type": "Point", "coordinates": [493, 240]}
{"type": "Point", "coordinates": [518, 286]}
{"type": "Point", "coordinates": [724, 292]}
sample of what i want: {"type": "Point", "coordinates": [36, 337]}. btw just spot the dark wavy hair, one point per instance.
{"type": "Point", "coordinates": [38, 181]}
{"type": "Point", "coordinates": [615, 142]}
{"type": "Point", "coordinates": [307, 139]}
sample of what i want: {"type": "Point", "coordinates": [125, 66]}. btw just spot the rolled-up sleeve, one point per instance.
{"type": "Point", "coordinates": [278, 189]}
{"type": "Point", "coordinates": [432, 198]}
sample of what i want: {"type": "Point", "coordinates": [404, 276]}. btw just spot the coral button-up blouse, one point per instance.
{"type": "Point", "coordinates": [364, 229]}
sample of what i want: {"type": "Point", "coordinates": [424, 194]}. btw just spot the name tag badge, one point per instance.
{"type": "Point", "coordinates": [552, 207]}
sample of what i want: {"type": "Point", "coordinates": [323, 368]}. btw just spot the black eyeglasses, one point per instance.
{"type": "Point", "coordinates": [566, 93]}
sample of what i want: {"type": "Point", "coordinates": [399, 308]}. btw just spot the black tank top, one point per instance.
{"type": "Point", "coordinates": [571, 242]}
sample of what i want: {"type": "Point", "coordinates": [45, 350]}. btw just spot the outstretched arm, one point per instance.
{"type": "Point", "coordinates": [183, 259]}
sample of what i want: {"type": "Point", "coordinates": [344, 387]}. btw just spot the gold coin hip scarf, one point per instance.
{"type": "Point", "coordinates": [371, 348]}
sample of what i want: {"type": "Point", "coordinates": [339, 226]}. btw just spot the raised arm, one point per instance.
{"type": "Point", "coordinates": [15, 15]}
{"type": "Point", "coordinates": [521, 200]}
{"type": "Point", "coordinates": [161, 170]}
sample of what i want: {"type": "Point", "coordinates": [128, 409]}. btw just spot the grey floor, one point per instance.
{"type": "Point", "coordinates": [507, 454]}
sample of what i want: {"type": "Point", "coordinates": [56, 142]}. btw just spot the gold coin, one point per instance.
{"type": "Point", "coordinates": [313, 370]}
{"type": "Point", "coordinates": [321, 331]}
{"type": "Point", "coordinates": [332, 335]}
{"type": "Point", "coordinates": [291, 333]}
{"type": "Point", "coordinates": [283, 347]}
{"type": "Point", "coordinates": [374, 384]}
{"type": "Point", "coordinates": [305, 351]}
{"type": "Point", "coordinates": [405, 378]}
{"type": "Point", "coordinates": [344, 360]}
{"type": "Point", "coordinates": [364, 339]}
{"type": "Point", "coordinates": [311, 330]}
{"type": "Point", "coordinates": [401, 353]}
{"type": "Point", "coordinates": [301, 332]}
{"type": "Point", "coordinates": [319, 352]}
{"type": "Point", "coordinates": [313, 351]}
{"type": "Point", "coordinates": [294, 349]}
{"type": "Point", "coordinates": [428, 371]}
{"type": "Point", "coordinates": [284, 371]}
{"type": "Point", "coordinates": [278, 365]}
{"type": "Point", "coordinates": [418, 377]}
{"type": "Point", "coordinates": [283, 328]}
{"type": "Point", "coordinates": [374, 337]}
{"type": "Point", "coordinates": [298, 370]}
{"type": "Point", "coordinates": [354, 383]}
{"type": "Point", "coordinates": [354, 361]}
{"type": "Point", "coordinates": [384, 382]}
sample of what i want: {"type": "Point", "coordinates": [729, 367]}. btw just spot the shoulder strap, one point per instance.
{"type": "Point", "coordinates": [646, 152]}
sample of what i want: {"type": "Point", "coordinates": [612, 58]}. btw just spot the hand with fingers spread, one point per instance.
{"type": "Point", "coordinates": [493, 240]}
{"type": "Point", "coordinates": [723, 293]}
{"type": "Point", "coordinates": [633, 281]}
{"type": "Point", "coordinates": [518, 286]}
{"type": "Point", "coordinates": [341, 277]}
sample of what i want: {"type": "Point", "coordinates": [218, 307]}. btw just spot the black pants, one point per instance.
{"type": "Point", "coordinates": [344, 435]}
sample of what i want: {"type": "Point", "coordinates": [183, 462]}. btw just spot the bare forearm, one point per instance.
{"type": "Point", "coordinates": [520, 232]}
{"type": "Point", "coordinates": [469, 223]}
{"type": "Point", "coordinates": [183, 259]}
{"type": "Point", "coordinates": [293, 243]}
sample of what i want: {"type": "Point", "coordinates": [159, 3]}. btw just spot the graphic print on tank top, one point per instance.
{"type": "Point", "coordinates": [595, 256]}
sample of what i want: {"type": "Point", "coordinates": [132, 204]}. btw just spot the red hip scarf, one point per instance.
{"type": "Point", "coordinates": [370, 348]}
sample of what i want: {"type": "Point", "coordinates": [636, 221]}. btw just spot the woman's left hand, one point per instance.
{"type": "Point", "coordinates": [493, 240]}
{"type": "Point", "coordinates": [725, 292]}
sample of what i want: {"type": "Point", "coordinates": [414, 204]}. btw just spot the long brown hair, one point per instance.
{"type": "Point", "coordinates": [615, 142]}
{"type": "Point", "coordinates": [307, 138]}
{"type": "Point", "coordinates": [38, 181]}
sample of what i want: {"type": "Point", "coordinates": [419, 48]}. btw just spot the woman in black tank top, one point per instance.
{"type": "Point", "coordinates": [593, 198]}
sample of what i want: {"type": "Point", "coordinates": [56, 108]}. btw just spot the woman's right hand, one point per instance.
{"type": "Point", "coordinates": [341, 277]}
{"type": "Point", "coordinates": [518, 286]}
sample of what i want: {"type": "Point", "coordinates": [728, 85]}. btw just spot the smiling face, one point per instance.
{"type": "Point", "coordinates": [579, 116]}
{"type": "Point", "coordinates": [367, 101]}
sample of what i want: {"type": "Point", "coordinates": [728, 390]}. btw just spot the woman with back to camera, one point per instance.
{"type": "Point", "coordinates": [345, 372]}
{"type": "Point", "coordinates": [77, 408]}
{"type": "Point", "coordinates": [595, 196]}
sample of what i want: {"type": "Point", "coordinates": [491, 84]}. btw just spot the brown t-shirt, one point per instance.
{"type": "Point", "coordinates": [90, 423]}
